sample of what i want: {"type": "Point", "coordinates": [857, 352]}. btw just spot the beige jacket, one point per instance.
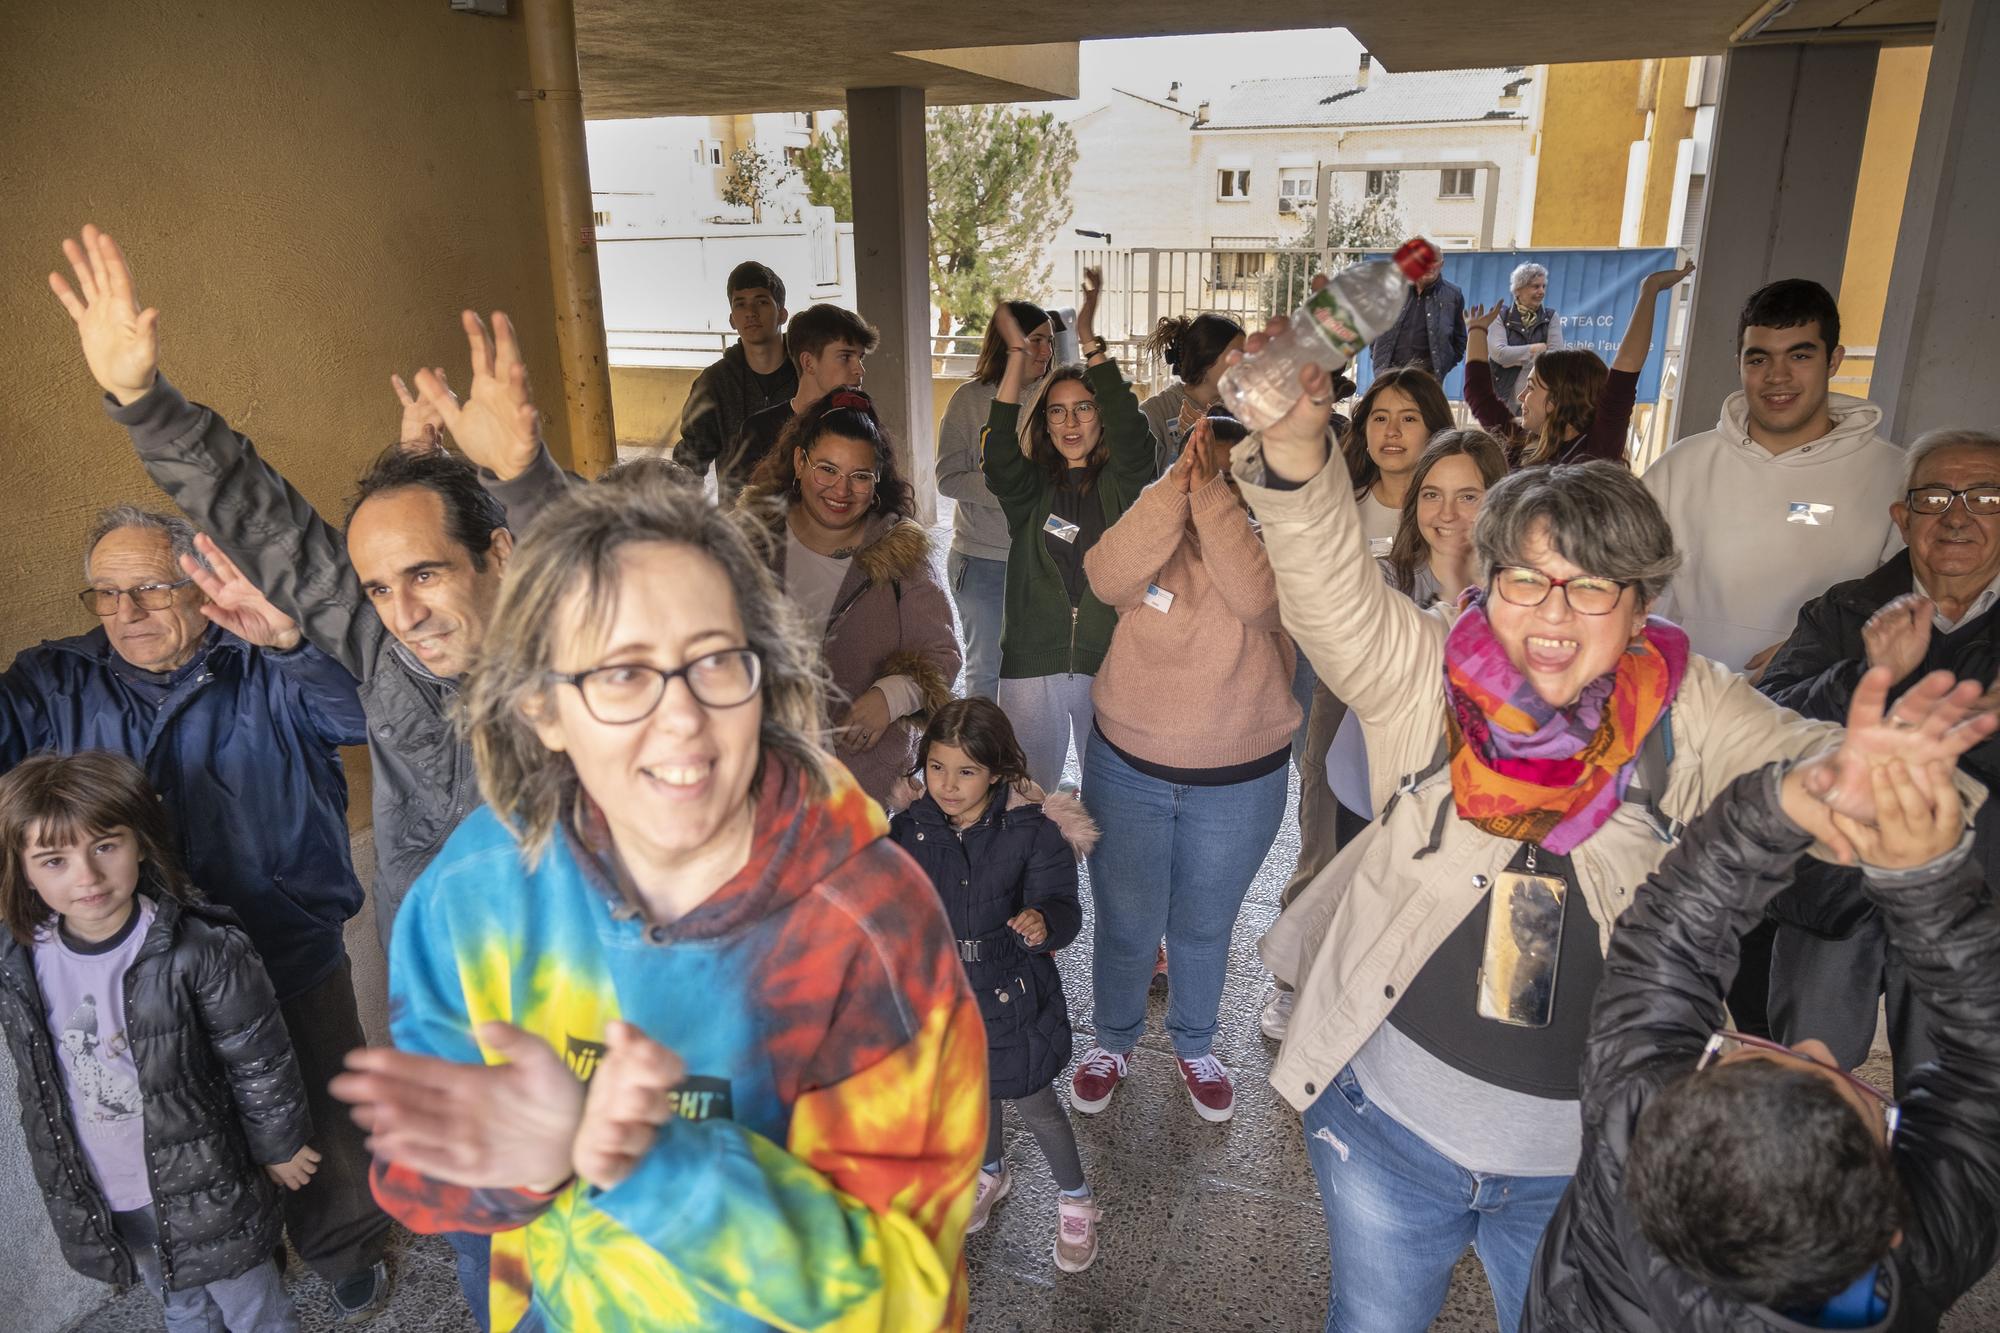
{"type": "Point", "coordinates": [1363, 928]}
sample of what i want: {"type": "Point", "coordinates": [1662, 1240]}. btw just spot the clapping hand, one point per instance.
{"type": "Point", "coordinates": [1086, 314]}
{"type": "Point", "coordinates": [1918, 816]}
{"type": "Point", "coordinates": [422, 430]}
{"type": "Point", "coordinates": [235, 603]}
{"type": "Point", "coordinates": [121, 342]}
{"type": "Point", "coordinates": [508, 1126]}
{"type": "Point", "coordinates": [1935, 721]}
{"type": "Point", "coordinates": [1899, 634]}
{"type": "Point", "coordinates": [497, 425]}
{"type": "Point", "coordinates": [631, 1097]}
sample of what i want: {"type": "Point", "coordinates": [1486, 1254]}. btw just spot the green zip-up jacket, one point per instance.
{"type": "Point", "coordinates": [1043, 634]}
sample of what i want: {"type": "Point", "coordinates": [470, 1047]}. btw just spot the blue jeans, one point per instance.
{"type": "Point", "coordinates": [979, 589]}
{"type": "Point", "coordinates": [1173, 861]}
{"type": "Point", "coordinates": [475, 1270]}
{"type": "Point", "coordinates": [1399, 1214]}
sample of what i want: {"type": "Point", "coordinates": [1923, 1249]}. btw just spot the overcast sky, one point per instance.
{"type": "Point", "coordinates": [1205, 65]}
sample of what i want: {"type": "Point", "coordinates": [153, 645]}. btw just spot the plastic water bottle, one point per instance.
{"type": "Point", "coordinates": [1356, 306]}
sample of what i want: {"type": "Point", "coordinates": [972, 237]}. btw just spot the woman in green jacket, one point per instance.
{"type": "Point", "coordinates": [1089, 455]}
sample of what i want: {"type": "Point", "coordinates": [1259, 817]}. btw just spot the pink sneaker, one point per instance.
{"type": "Point", "coordinates": [1209, 1088]}
{"type": "Point", "coordinates": [1076, 1233]}
{"type": "Point", "coordinates": [992, 1189]}
{"type": "Point", "coordinates": [1099, 1075]}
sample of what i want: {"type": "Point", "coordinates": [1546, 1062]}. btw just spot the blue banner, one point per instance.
{"type": "Point", "coordinates": [1591, 291]}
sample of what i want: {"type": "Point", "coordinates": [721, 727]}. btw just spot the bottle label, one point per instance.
{"type": "Point", "coordinates": [1336, 321]}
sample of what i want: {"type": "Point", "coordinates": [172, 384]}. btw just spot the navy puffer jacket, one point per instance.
{"type": "Point", "coordinates": [1021, 853]}
{"type": "Point", "coordinates": [222, 1091]}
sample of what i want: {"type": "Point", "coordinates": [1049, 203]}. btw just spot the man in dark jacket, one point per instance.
{"type": "Point", "coordinates": [1755, 1192]}
{"type": "Point", "coordinates": [1929, 607]}
{"type": "Point", "coordinates": [237, 722]}
{"type": "Point", "coordinates": [752, 374]}
{"type": "Point", "coordinates": [1430, 332]}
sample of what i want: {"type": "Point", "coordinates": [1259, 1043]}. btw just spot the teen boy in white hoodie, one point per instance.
{"type": "Point", "coordinates": [1787, 495]}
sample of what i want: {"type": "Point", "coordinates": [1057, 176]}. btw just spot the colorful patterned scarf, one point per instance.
{"type": "Point", "coordinates": [1524, 769]}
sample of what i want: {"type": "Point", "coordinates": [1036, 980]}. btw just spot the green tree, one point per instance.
{"type": "Point", "coordinates": [825, 170]}
{"type": "Point", "coordinates": [755, 174]}
{"type": "Point", "coordinates": [1373, 223]}
{"type": "Point", "coordinates": [999, 179]}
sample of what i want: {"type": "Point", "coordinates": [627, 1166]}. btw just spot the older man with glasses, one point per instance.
{"type": "Point", "coordinates": [237, 721]}
{"type": "Point", "coordinates": [1928, 607]}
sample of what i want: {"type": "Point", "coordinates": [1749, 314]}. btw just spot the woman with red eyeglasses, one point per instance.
{"type": "Point", "coordinates": [858, 567]}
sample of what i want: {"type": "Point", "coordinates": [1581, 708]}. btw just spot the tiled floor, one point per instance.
{"type": "Point", "coordinates": [1213, 1227]}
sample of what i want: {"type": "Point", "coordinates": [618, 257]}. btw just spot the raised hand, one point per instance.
{"type": "Point", "coordinates": [1086, 314]}
{"type": "Point", "coordinates": [631, 1096]}
{"type": "Point", "coordinates": [1654, 283]}
{"type": "Point", "coordinates": [1295, 445]}
{"type": "Point", "coordinates": [1934, 721]}
{"type": "Point", "coordinates": [1918, 817]}
{"type": "Point", "coordinates": [297, 1173]}
{"type": "Point", "coordinates": [235, 603]}
{"type": "Point", "coordinates": [422, 429]}
{"type": "Point", "coordinates": [1899, 634]}
{"type": "Point", "coordinates": [1480, 318]}
{"type": "Point", "coordinates": [1014, 378]}
{"type": "Point", "coordinates": [510, 1126]}
{"type": "Point", "coordinates": [496, 426]}
{"type": "Point", "coordinates": [121, 342]}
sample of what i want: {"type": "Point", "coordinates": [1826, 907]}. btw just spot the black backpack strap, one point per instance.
{"type": "Point", "coordinates": [1439, 758]}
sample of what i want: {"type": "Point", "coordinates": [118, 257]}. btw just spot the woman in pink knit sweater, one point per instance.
{"type": "Point", "coordinates": [1185, 768]}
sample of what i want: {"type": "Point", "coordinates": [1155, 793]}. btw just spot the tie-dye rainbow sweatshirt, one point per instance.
{"type": "Point", "coordinates": [820, 1172]}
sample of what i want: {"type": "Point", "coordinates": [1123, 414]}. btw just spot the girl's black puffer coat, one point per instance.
{"type": "Point", "coordinates": [223, 1099]}
{"type": "Point", "coordinates": [1021, 853]}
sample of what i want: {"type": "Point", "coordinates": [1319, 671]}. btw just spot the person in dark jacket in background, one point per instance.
{"type": "Point", "coordinates": [236, 720]}
{"type": "Point", "coordinates": [1003, 857]}
{"type": "Point", "coordinates": [1729, 1182]}
{"type": "Point", "coordinates": [1430, 331]}
{"type": "Point", "coordinates": [1930, 606]}
{"type": "Point", "coordinates": [750, 376]}
{"type": "Point", "coordinates": [159, 1096]}
{"type": "Point", "coordinates": [401, 600]}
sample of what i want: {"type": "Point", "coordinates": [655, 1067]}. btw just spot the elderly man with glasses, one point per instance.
{"type": "Point", "coordinates": [237, 721]}
{"type": "Point", "coordinates": [1928, 607]}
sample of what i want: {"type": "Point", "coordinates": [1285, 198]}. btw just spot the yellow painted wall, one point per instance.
{"type": "Point", "coordinates": [1673, 121]}
{"type": "Point", "coordinates": [309, 194]}
{"type": "Point", "coordinates": [1878, 205]}
{"type": "Point", "coordinates": [1590, 118]}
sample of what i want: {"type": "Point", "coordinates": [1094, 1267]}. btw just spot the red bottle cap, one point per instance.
{"type": "Point", "coordinates": [1417, 257]}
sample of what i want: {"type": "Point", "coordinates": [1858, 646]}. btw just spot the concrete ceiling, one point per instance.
{"type": "Point", "coordinates": [653, 58]}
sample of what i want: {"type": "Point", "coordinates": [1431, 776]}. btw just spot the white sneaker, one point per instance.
{"type": "Point", "coordinates": [1076, 1233]}
{"type": "Point", "coordinates": [992, 1189]}
{"type": "Point", "coordinates": [1277, 1019]}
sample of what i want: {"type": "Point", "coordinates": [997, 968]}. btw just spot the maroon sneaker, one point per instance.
{"type": "Point", "coordinates": [1159, 981]}
{"type": "Point", "coordinates": [1209, 1088]}
{"type": "Point", "coordinates": [1091, 1086]}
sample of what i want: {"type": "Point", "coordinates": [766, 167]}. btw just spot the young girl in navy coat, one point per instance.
{"type": "Point", "coordinates": [1003, 857]}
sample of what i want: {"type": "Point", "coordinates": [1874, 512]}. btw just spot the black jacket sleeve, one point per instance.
{"type": "Point", "coordinates": [1947, 1151]}
{"type": "Point", "coordinates": [1815, 672]}
{"type": "Point", "coordinates": [1051, 887]}
{"type": "Point", "coordinates": [1675, 951]}
{"type": "Point", "coordinates": [701, 439]}
{"type": "Point", "coordinates": [240, 1013]}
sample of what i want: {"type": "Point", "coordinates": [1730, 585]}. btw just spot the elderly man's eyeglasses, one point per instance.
{"type": "Point", "coordinates": [1722, 1044]}
{"type": "Point", "coordinates": [1979, 501]}
{"type": "Point", "coordinates": [1058, 413]}
{"type": "Point", "coordinates": [629, 692]}
{"type": "Point", "coordinates": [1587, 594]}
{"type": "Point", "coordinates": [103, 602]}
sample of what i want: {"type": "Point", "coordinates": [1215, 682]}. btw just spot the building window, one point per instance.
{"type": "Point", "coordinates": [1240, 261]}
{"type": "Point", "coordinates": [1384, 183]}
{"type": "Point", "coordinates": [708, 153]}
{"type": "Point", "coordinates": [1458, 182]}
{"type": "Point", "coordinates": [795, 156]}
{"type": "Point", "coordinates": [1232, 183]}
{"type": "Point", "coordinates": [601, 218]}
{"type": "Point", "coordinates": [1296, 184]}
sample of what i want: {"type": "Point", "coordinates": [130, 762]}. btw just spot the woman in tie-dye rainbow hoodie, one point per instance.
{"type": "Point", "coordinates": [664, 844]}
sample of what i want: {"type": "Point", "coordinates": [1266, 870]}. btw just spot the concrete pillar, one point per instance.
{"type": "Point", "coordinates": [1935, 364]}
{"type": "Point", "coordinates": [1781, 177]}
{"type": "Point", "coordinates": [885, 129]}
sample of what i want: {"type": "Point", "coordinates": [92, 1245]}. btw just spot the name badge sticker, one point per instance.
{"type": "Point", "coordinates": [1061, 528]}
{"type": "Point", "coordinates": [1810, 514]}
{"type": "Point", "coordinates": [1159, 598]}
{"type": "Point", "coordinates": [1379, 547]}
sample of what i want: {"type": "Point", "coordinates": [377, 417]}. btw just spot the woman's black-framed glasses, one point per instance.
{"type": "Point", "coordinates": [1587, 594]}
{"type": "Point", "coordinates": [103, 602]}
{"type": "Point", "coordinates": [629, 692]}
{"type": "Point", "coordinates": [1721, 1044]}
